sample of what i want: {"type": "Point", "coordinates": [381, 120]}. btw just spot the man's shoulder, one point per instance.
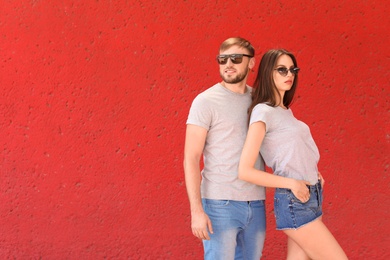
{"type": "Point", "coordinates": [209, 94]}
{"type": "Point", "coordinates": [211, 90]}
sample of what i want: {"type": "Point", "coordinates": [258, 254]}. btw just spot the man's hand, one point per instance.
{"type": "Point", "coordinates": [200, 225]}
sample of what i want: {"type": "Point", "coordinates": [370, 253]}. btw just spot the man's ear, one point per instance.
{"type": "Point", "coordinates": [252, 63]}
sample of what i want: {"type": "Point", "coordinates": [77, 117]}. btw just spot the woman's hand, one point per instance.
{"type": "Point", "coordinates": [300, 190]}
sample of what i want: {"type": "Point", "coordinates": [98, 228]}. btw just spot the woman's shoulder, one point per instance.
{"type": "Point", "coordinates": [263, 107]}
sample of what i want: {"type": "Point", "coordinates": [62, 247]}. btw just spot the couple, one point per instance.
{"type": "Point", "coordinates": [227, 196]}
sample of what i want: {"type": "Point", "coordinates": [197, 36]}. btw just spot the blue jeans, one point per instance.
{"type": "Point", "coordinates": [239, 229]}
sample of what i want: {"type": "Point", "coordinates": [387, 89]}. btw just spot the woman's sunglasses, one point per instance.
{"type": "Point", "coordinates": [284, 71]}
{"type": "Point", "coordinates": [235, 58]}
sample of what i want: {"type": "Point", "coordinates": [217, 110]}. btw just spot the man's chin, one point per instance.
{"type": "Point", "coordinates": [233, 81]}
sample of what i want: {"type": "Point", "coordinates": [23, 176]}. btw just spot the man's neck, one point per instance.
{"type": "Point", "coordinates": [237, 87]}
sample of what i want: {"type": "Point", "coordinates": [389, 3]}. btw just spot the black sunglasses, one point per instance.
{"type": "Point", "coordinates": [235, 58]}
{"type": "Point", "coordinates": [284, 71]}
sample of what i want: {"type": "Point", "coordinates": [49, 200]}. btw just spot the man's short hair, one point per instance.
{"type": "Point", "coordinates": [237, 41]}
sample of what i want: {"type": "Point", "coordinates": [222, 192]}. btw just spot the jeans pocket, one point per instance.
{"type": "Point", "coordinates": [294, 199]}
{"type": "Point", "coordinates": [257, 204]}
{"type": "Point", "coordinates": [216, 203]}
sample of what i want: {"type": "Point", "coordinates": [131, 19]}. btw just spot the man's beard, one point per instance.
{"type": "Point", "coordinates": [235, 80]}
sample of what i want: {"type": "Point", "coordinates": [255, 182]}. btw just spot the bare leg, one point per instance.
{"type": "Point", "coordinates": [317, 241]}
{"type": "Point", "coordinates": [295, 252]}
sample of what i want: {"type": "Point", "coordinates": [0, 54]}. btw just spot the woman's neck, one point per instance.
{"type": "Point", "coordinates": [279, 99]}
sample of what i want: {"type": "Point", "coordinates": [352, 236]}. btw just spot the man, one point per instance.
{"type": "Point", "coordinates": [226, 213]}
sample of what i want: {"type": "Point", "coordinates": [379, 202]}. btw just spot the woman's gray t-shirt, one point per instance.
{"type": "Point", "coordinates": [288, 147]}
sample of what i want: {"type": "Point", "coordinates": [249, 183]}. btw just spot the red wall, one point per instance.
{"type": "Point", "coordinates": [94, 98]}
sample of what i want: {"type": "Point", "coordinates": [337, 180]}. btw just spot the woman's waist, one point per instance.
{"type": "Point", "coordinates": [314, 187]}
{"type": "Point", "coordinates": [310, 176]}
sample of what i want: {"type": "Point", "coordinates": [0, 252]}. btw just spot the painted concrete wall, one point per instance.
{"type": "Point", "coordinates": [94, 98]}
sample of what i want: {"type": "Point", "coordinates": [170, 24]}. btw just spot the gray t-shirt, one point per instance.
{"type": "Point", "coordinates": [288, 147]}
{"type": "Point", "coordinates": [223, 113]}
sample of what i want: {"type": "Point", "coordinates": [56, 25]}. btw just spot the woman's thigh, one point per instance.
{"type": "Point", "coordinates": [317, 241]}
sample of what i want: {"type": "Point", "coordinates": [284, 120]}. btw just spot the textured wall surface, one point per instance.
{"type": "Point", "coordinates": [94, 98]}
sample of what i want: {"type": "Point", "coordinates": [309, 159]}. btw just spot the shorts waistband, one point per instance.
{"type": "Point", "coordinates": [314, 187]}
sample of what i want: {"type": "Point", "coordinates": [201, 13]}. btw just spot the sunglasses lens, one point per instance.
{"type": "Point", "coordinates": [221, 59]}
{"type": "Point", "coordinates": [237, 59]}
{"type": "Point", "coordinates": [282, 71]}
{"type": "Point", "coordinates": [295, 71]}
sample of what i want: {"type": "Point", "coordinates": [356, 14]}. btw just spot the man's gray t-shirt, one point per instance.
{"type": "Point", "coordinates": [223, 113]}
{"type": "Point", "coordinates": [288, 147]}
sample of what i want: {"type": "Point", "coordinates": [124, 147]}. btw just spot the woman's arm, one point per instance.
{"type": "Point", "coordinates": [248, 172]}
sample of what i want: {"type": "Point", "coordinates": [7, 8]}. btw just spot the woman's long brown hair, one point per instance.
{"type": "Point", "coordinates": [265, 90]}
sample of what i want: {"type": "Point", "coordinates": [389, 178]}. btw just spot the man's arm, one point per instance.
{"type": "Point", "coordinates": [194, 143]}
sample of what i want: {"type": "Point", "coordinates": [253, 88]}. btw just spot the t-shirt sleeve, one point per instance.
{"type": "Point", "coordinates": [200, 113]}
{"type": "Point", "coordinates": [261, 112]}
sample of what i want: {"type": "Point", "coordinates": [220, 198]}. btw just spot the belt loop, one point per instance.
{"type": "Point", "coordinates": [318, 194]}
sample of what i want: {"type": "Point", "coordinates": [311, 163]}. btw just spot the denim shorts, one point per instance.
{"type": "Point", "coordinates": [291, 213]}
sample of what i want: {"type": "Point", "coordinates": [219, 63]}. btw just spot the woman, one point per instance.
{"type": "Point", "coordinates": [288, 148]}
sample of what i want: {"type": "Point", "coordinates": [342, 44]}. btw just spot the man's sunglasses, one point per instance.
{"type": "Point", "coordinates": [284, 71]}
{"type": "Point", "coordinates": [235, 58]}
